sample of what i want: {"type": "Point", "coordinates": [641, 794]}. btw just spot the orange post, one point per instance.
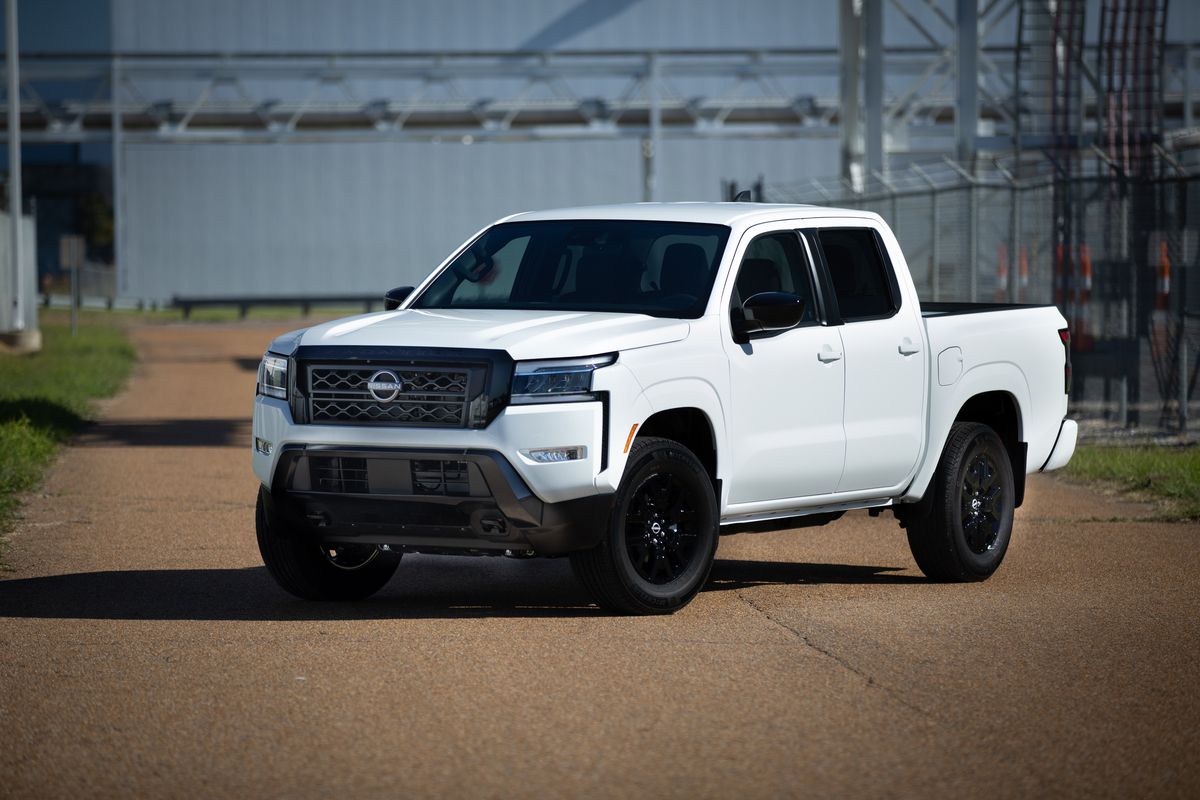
{"type": "Point", "coordinates": [1001, 272]}
{"type": "Point", "coordinates": [1085, 328]}
{"type": "Point", "coordinates": [1023, 275]}
{"type": "Point", "coordinates": [1164, 276]}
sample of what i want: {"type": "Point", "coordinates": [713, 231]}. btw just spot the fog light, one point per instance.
{"type": "Point", "coordinates": [555, 455]}
{"type": "Point", "coordinates": [262, 446]}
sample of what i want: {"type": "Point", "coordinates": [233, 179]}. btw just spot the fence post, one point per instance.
{"type": "Point", "coordinates": [973, 242]}
{"type": "Point", "coordinates": [933, 231]}
{"type": "Point", "coordinates": [1183, 383]}
{"type": "Point", "coordinates": [935, 282]}
{"type": "Point", "coordinates": [1123, 401]}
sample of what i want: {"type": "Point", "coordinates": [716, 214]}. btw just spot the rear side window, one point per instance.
{"type": "Point", "coordinates": [861, 281]}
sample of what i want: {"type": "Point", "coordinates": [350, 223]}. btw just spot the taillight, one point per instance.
{"type": "Point", "coordinates": [1065, 335]}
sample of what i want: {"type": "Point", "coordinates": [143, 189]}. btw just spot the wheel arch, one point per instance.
{"type": "Point", "coordinates": [689, 426]}
{"type": "Point", "coordinates": [1001, 412]}
{"type": "Point", "coordinates": [995, 394]}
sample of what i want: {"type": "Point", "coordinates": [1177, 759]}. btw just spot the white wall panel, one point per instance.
{"type": "Point", "coordinates": [225, 219]}
{"type": "Point", "coordinates": [363, 25]}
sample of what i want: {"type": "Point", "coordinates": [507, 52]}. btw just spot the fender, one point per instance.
{"type": "Point", "coordinates": [664, 396]}
{"type": "Point", "coordinates": [946, 403]}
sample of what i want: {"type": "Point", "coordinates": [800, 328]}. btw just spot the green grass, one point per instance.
{"type": "Point", "coordinates": [1167, 474]}
{"type": "Point", "coordinates": [47, 396]}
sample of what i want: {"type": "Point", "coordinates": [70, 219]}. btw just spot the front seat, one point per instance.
{"type": "Point", "coordinates": [684, 270]}
{"type": "Point", "coordinates": [758, 275]}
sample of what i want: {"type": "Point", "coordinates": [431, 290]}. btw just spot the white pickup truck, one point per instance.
{"type": "Point", "coordinates": [621, 384]}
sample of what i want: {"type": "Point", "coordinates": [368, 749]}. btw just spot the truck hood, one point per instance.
{"type": "Point", "coordinates": [524, 334]}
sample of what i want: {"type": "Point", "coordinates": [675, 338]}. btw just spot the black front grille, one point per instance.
{"type": "Point", "coordinates": [434, 396]}
{"type": "Point", "coordinates": [341, 475]}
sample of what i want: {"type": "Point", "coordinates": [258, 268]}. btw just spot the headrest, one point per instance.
{"type": "Point", "coordinates": [684, 269]}
{"type": "Point", "coordinates": [758, 275]}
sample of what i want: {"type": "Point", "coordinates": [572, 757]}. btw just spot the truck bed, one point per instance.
{"type": "Point", "coordinates": [950, 309]}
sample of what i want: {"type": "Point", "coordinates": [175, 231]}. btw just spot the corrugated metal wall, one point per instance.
{"type": "Point", "coordinates": [387, 25]}
{"type": "Point", "coordinates": [233, 219]}
{"type": "Point", "coordinates": [226, 219]}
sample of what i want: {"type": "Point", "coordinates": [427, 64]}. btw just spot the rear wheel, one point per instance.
{"type": "Point", "coordinates": [966, 534]}
{"type": "Point", "coordinates": [314, 570]}
{"type": "Point", "coordinates": [661, 537]}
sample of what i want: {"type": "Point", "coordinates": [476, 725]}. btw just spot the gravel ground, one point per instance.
{"type": "Point", "coordinates": [145, 651]}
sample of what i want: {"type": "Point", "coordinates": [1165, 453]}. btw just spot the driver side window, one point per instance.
{"type": "Point", "coordinates": [775, 262]}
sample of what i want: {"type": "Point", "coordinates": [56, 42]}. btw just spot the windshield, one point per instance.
{"type": "Point", "coordinates": [664, 269]}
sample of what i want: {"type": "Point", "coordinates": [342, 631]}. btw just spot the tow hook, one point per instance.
{"type": "Point", "coordinates": [519, 554]}
{"type": "Point", "coordinates": [492, 526]}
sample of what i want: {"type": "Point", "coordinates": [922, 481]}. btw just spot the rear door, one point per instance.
{"type": "Point", "coordinates": [885, 366]}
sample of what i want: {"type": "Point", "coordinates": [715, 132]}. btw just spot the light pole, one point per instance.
{"type": "Point", "coordinates": [24, 334]}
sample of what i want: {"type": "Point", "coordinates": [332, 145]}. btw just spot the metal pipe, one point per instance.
{"type": "Point", "coordinates": [849, 40]}
{"type": "Point", "coordinates": [12, 62]}
{"type": "Point", "coordinates": [653, 143]}
{"type": "Point", "coordinates": [118, 178]}
{"type": "Point", "coordinates": [966, 113]}
{"type": "Point", "coordinates": [873, 84]}
{"type": "Point", "coordinates": [1187, 86]}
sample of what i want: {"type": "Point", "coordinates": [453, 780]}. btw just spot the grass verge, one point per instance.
{"type": "Point", "coordinates": [46, 397]}
{"type": "Point", "coordinates": [1167, 474]}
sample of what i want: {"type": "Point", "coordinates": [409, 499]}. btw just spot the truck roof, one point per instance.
{"type": "Point", "coordinates": [712, 213]}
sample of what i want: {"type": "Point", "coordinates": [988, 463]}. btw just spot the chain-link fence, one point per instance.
{"type": "Point", "coordinates": [1118, 257]}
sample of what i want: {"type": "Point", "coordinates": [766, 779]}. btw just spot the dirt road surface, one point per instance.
{"type": "Point", "coordinates": [144, 650]}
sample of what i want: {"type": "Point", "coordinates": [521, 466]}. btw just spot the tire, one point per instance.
{"type": "Point", "coordinates": [304, 567]}
{"type": "Point", "coordinates": [966, 534]}
{"type": "Point", "coordinates": [661, 537]}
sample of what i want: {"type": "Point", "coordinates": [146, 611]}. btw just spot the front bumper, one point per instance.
{"type": "Point", "coordinates": [514, 429]}
{"type": "Point", "coordinates": [426, 500]}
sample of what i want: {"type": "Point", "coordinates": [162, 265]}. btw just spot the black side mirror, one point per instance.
{"type": "Point", "coordinates": [771, 311]}
{"type": "Point", "coordinates": [392, 298]}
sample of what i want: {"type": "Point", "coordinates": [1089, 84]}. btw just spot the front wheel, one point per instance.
{"type": "Point", "coordinates": [661, 537]}
{"type": "Point", "coordinates": [966, 534]}
{"type": "Point", "coordinates": [313, 570]}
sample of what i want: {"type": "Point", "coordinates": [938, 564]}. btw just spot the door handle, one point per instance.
{"type": "Point", "coordinates": [907, 348]}
{"type": "Point", "coordinates": [827, 354]}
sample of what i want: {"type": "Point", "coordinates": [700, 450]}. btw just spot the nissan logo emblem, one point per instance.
{"type": "Point", "coordinates": [385, 386]}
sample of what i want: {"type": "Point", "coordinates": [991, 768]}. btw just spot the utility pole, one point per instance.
{"type": "Point", "coordinates": [24, 335]}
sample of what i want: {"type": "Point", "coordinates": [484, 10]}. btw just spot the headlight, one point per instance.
{"type": "Point", "coordinates": [272, 376]}
{"type": "Point", "coordinates": [556, 381]}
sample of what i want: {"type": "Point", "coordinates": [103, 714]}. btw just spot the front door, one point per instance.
{"type": "Point", "coordinates": [787, 387]}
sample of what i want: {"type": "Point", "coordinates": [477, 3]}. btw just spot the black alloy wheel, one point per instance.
{"type": "Point", "coordinates": [313, 570]}
{"type": "Point", "coordinates": [966, 533]}
{"type": "Point", "coordinates": [982, 503]}
{"type": "Point", "coordinates": [349, 556]}
{"type": "Point", "coordinates": [662, 533]}
{"type": "Point", "coordinates": [660, 528]}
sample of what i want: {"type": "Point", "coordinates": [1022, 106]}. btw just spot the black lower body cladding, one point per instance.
{"type": "Point", "coordinates": [453, 500]}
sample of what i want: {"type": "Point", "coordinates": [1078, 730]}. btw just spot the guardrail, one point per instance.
{"type": "Point", "coordinates": [305, 303]}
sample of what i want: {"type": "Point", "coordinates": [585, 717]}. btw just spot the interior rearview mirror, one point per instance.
{"type": "Point", "coordinates": [392, 298]}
